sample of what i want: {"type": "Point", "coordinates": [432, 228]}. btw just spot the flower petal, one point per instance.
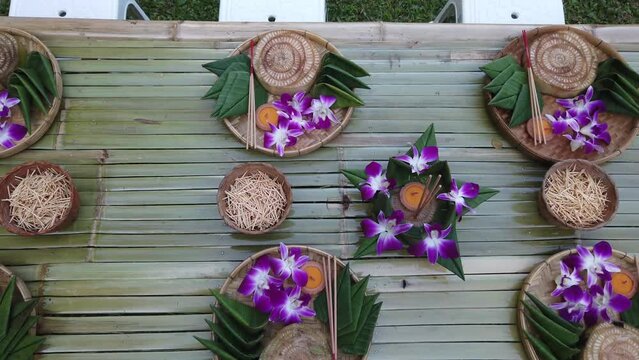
{"type": "Point", "coordinates": [602, 250]}
{"type": "Point", "coordinates": [374, 169]}
{"type": "Point", "coordinates": [448, 249]}
{"type": "Point", "coordinates": [418, 248]}
{"type": "Point", "coordinates": [469, 190]}
{"type": "Point", "coordinates": [388, 242]}
{"type": "Point", "coordinates": [263, 303]}
{"type": "Point", "coordinates": [367, 192]}
{"type": "Point", "coordinates": [300, 277]}
{"type": "Point", "coordinates": [371, 228]}
{"type": "Point", "coordinates": [619, 303]}
{"type": "Point", "coordinates": [430, 153]}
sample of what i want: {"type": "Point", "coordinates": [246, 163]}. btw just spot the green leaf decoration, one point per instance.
{"type": "Point", "coordinates": [427, 138]}
{"type": "Point", "coordinates": [32, 77]}
{"type": "Point", "coordinates": [367, 246]}
{"type": "Point", "coordinates": [542, 350]}
{"type": "Point", "coordinates": [21, 93]}
{"type": "Point", "coordinates": [234, 335]}
{"type": "Point", "coordinates": [219, 66]}
{"type": "Point", "coordinates": [454, 265]}
{"type": "Point", "coordinates": [623, 99]}
{"type": "Point", "coordinates": [26, 348]}
{"type": "Point", "coordinates": [494, 68]}
{"type": "Point", "coordinates": [495, 85]}
{"type": "Point", "coordinates": [558, 348]}
{"type": "Point", "coordinates": [21, 333]}
{"type": "Point", "coordinates": [246, 316]}
{"type": "Point", "coordinates": [343, 99]}
{"type": "Point", "coordinates": [42, 67]}
{"type": "Point", "coordinates": [616, 66]}
{"type": "Point", "coordinates": [244, 335]}
{"type": "Point", "coordinates": [522, 111]}
{"type": "Point", "coordinates": [358, 291]}
{"type": "Point", "coordinates": [224, 338]}
{"type": "Point", "coordinates": [344, 64]}
{"type": "Point", "coordinates": [338, 84]}
{"type": "Point", "coordinates": [381, 202]}
{"type": "Point", "coordinates": [5, 306]}
{"type": "Point", "coordinates": [216, 349]}
{"type": "Point", "coordinates": [507, 95]}
{"type": "Point", "coordinates": [367, 306]}
{"type": "Point", "coordinates": [364, 333]}
{"type": "Point", "coordinates": [631, 316]}
{"type": "Point", "coordinates": [217, 87]}
{"type": "Point", "coordinates": [234, 100]}
{"type": "Point", "coordinates": [320, 307]}
{"type": "Point", "coordinates": [19, 308]}
{"type": "Point", "coordinates": [344, 77]}
{"type": "Point", "coordinates": [485, 193]}
{"type": "Point", "coordinates": [615, 103]}
{"type": "Point", "coordinates": [399, 170]}
{"type": "Point", "coordinates": [356, 177]}
{"type": "Point", "coordinates": [344, 309]}
{"type": "Point", "coordinates": [19, 79]}
{"type": "Point", "coordinates": [15, 328]}
{"type": "Point", "coordinates": [552, 315]}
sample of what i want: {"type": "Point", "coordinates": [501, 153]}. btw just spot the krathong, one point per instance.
{"type": "Point", "coordinates": [428, 230]}
{"type": "Point", "coordinates": [11, 133]}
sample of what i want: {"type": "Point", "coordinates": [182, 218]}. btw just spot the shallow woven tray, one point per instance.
{"type": "Point", "coordinates": [308, 142]}
{"type": "Point", "coordinates": [623, 129]}
{"type": "Point", "coordinates": [596, 172]}
{"type": "Point", "coordinates": [20, 171]}
{"type": "Point", "coordinates": [234, 280]}
{"type": "Point", "coordinates": [40, 122]}
{"type": "Point", "coordinates": [541, 282]}
{"type": "Point", "coordinates": [248, 168]}
{"type": "Point", "coordinates": [612, 342]}
{"type": "Point", "coordinates": [23, 291]}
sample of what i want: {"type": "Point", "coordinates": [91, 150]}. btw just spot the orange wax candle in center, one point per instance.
{"type": "Point", "coordinates": [623, 283]}
{"type": "Point", "coordinates": [266, 115]}
{"type": "Point", "coordinates": [545, 124]}
{"type": "Point", "coordinates": [315, 282]}
{"type": "Point", "coordinates": [411, 194]}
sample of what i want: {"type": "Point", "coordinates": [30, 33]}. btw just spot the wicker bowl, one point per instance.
{"type": "Point", "coordinates": [11, 179]}
{"type": "Point", "coordinates": [596, 172]}
{"type": "Point", "coordinates": [40, 122]}
{"type": "Point", "coordinates": [248, 168]}
{"type": "Point", "coordinates": [541, 282]}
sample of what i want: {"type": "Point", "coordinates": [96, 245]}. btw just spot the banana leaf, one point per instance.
{"type": "Point", "coordinates": [29, 341]}
{"type": "Point", "coordinates": [325, 78]}
{"type": "Point", "coordinates": [616, 66]}
{"type": "Point", "coordinates": [343, 99]}
{"type": "Point", "coordinates": [558, 348]}
{"type": "Point", "coordinates": [16, 323]}
{"type": "Point", "coordinates": [21, 333]}
{"type": "Point", "coordinates": [507, 95]}
{"type": "Point", "coordinates": [344, 304]}
{"type": "Point", "coordinates": [364, 333]}
{"type": "Point", "coordinates": [5, 306]}
{"type": "Point", "coordinates": [42, 66]}
{"type": "Point", "coordinates": [219, 66]}
{"type": "Point", "coordinates": [233, 99]}
{"type": "Point", "coordinates": [224, 338]}
{"type": "Point", "coordinates": [358, 291]}
{"type": "Point", "coordinates": [234, 340]}
{"type": "Point", "coordinates": [36, 82]}
{"type": "Point", "coordinates": [19, 308]}
{"type": "Point", "coordinates": [495, 85]}
{"type": "Point", "coordinates": [494, 68]}
{"type": "Point", "coordinates": [616, 97]}
{"type": "Point", "coordinates": [552, 315]}
{"type": "Point", "coordinates": [246, 316]}
{"type": "Point", "coordinates": [18, 91]}
{"type": "Point", "coordinates": [522, 111]}
{"type": "Point", "coordinates": [344, 64]}
{"type": "Point", "coordinates": [18, 79]}
{"type": "Point", "coordinates": [343, 76]}
{"type": "Point", "coordinates": [217, 87]}
{"type": "Point", "coordinates": [232, 326]}
{"type": "Point", "coordinates": [631, 316]}
{"type": "Point", "coordinates": [367, 306]}
{"type": "Point", "coordinates": [216, 349]}
{"type": "Point", "coordinates": [542, 350]}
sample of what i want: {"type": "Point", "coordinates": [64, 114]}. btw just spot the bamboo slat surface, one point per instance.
{"type": "Point", "coordinates": [130, 278]}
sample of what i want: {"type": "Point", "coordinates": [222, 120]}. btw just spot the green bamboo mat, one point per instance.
{"type": "Point", "coordinates": [130, 279]}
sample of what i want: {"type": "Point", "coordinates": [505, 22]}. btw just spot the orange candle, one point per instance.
{"type": "Point", "coordinates": [624, 283]}
{"type": "Point", "coordinates": [411, 194]}
{"type": "Point", "coordinates": [266, 115]}
{"type": "Point", "coordinates": [545, 125]}
{"type": "Point", "coordinates": [315, 282]}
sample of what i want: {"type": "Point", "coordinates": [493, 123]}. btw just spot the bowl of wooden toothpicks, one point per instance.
{"type": "Point", "coordinates": [578, 194]}
{"type": "Point", "coordinates": [37, 198]}
{"type": "Point", "coordinates": [254, 198]}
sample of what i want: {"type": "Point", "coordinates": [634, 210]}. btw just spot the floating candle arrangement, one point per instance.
{"type": "Point", "coordinates": [315, 282]}
{"type": "Point", "coordinates": [624, 283]}
{"type": "Point", "coordinates": [412, 194]}
{"type": "Point", "coordinates": [266, 116]}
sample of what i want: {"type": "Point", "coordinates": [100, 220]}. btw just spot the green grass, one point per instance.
{"type": "Point", "coordinates": [577, 11]}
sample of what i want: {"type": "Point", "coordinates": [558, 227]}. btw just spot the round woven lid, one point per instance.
{"type": "Point", "coordinates": [610, 342]}
{"type": "Point", "coordinates": [306, 341]}
{"type": "Point", "coordinates": [8, 55]}
{"type": "Point", "coordinates": [286, 62]}
{"type": "Point", "coordinates": [564, 63]}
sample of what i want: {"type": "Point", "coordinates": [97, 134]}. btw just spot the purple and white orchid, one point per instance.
{"type": "Point", "coordinates": [605, 304]}
{"type": "Point", "coordinates": [567, 279]}
{"type": "Point", "coordinates": [320, 109]}
{"type": "Point", "coordinates": [285, 134]}
{"type": "Point", "coordinates": [577, 141]}
{"type": "Point", "coordinates": [591, 128]}
{"type": "Point", "coordinates": [435, 244]}
{"type": "Point", "coordinates": [582, 106]}
{"type": "Point", "coordinates": [458, 196]}
{"type": "Point", "coordinates": [575, 305]}
{"type": "Point", "coordinates": [11, 133]}
{"type": "Point", "coordinates": [290, 305]}
{"type": "Point", "coordinates": [292, 104]}
{"type": "Point", "coordinates": [387, 229]}
{"type": "Point", "coordinates": [297, 120]}
{"type": "Point", "coordinates": [420, 159]}
{"type": "Point", "coordinates": [375, 181]}
{"type": "Point", "coordinates": [595, 263]}
{"type": "Point", "coordinates": [561, 122]}
{"type": "Point", "coordinates": [257, 282]}
{"type": "Point", "coordinates": [289, 265]}
{"type": "Point", "coordinates": [6, 103]}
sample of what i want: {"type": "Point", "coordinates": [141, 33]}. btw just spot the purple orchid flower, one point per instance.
{"type": "Point", "coordinates": [291, 104]}
{"type": "Point", "coordinates": [435, 244]}
{"type": "Point", "coordinates": [322, 115]}
{"type": "Point", "coordinates": [376, 181]}
{"type": "Point", "coordinates": [419, 161]}
{"type": "Point", "coordinates": [458, 196]}
{"type": "Point", "coordinates": [576, 304]}
{"type": "Point", "coordinates": [560, 122]}
{"type": "Point", "coordinates": [387, 229]}
{"type": "Point", "coordinates": [567, 279]}
{"type": "Point", "coordinates": [6, 103]}
{"type": "Point", "coordinates": [297, 120]}
{"type": "Point", "coordinates": [11, 133]}
{"type": "Point", "coordinates": [257, 282]}
{"type": "Point", "coordinates": [605, 304]}
{"type": "Point", "coordinates": [592, 129]}
{"type": "Point", "coordinates": [581, 106]}
{"type": "Point", "coordinates": [577, 141]}
{"type": "Point", "coordinates": [290, 305]}
{"type": "Point", "coordinates": [595, 263]}
{"type": "Point", "coordinates": [285, 134]}
{"type": "Point", "coordinates": [289, 265]}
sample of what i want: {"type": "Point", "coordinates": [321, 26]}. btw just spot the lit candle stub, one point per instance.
{"type": "Point", "coordinates": [624, 283]}
{"type": "Point", "coordinates": [266, 115]}
{"type": "Point", "coordinates": [315, 282]}
{"type": "Point", "coordinates": [546, 126]}
{"type": "Point", "coordinates": [411, 195]}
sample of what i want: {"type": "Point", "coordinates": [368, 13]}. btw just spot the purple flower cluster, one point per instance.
{"type": "Point", "coordinates": [595, 299]}
{"type": "Point", "coordinates": [10, 133]}
{"type": "Point", "coordinates": [297, 114]}
{"type": "Point", "coordinates": [580, 124]}
{"type": "Point", "coordinates": [286, 304]}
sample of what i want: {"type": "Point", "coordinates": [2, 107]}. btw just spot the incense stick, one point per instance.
{"type": "Point", "coordinates": [329, 300]}
{"type": "Point", "coordinates": [432, 192]}
{"type": "Point", "coordinates": [335, 306]}
{"type": "Point", "coordinates": [251, 140]}
{"type": "Point", "coordinates": [539, 134]}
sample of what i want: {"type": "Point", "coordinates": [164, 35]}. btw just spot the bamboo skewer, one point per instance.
{"type": "Point", "coordinates": [329, 302]}
{"type": "Point", "coordinates": [539, 134]}
{"type": "Point", "coordinates": [334, 291]}
{"type": "Point", "coordinates": [432, 192]}
{"type": "Point", "coordinates": [251, 136]}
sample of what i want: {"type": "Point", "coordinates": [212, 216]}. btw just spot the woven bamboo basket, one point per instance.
{"type": "Point", "coordinates": [597, 173]}
{"type": "Point", "coordinates": [308, 142]}
{"type": "Point", "coordinates": [248, 168]}
{"type": "Point", "coordinates": [623, 129]}
{"type": "Point", "coordinates": [235, 278]}
{"type": "Point", "coordinates": [40, 122]}
{"type": "Point", "coordinates": [541, 282]}
{"type": "Point", "coordinates": [23, 293]}
{"type": "Point", "coordinates": [612, 342]}
{"type": "Point", "coordinates": [11, 179]}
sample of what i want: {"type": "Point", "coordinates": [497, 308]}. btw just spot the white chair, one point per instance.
{"type": "Point", "coordinates": [502, 12]}
{"type": "Point", "coordinates": [78, 9]}
{"type": "Point", "coordinates": [273, 10]}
